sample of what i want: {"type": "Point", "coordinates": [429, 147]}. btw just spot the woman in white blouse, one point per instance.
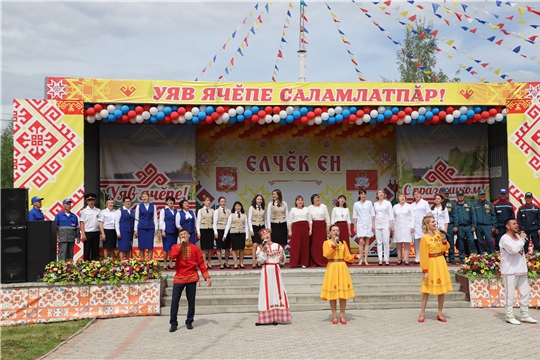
{"type": "Point", "coordinates": [440, 213]}
{"type": "Point", "coordinates": [237, 225]}
{"type": "Point", "coordinates": [277, 214]}
{"type": "Point", "coordinates": [300, 223]}
{"type": "Point", "coordinates": [342, 218]}
{"type": "Point", "coordinates": [320, 227]}
{"type": "Point", "coordinates": [384, 224]}
{"type": "Point", "coordinates": [421, 209]}
{"type": "Point", "coordinates": [364, 225]}
{"type": "Point", "coordinates": [256, 222]}
{"type": "Point", "coordinates": [107, 222]}
{"type": "Point", "coordinates": [403, 228]}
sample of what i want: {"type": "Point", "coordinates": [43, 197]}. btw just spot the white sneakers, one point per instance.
{"type": "Point", "coordinates": [513, 321]}
{"type": "Point", "coordinates": [528, 319]}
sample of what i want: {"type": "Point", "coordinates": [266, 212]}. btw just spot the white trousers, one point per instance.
{"type": "Point", "coordinates": [417, 250]}
{"type": "Point", "coordinates": [383, 243]}
{"type": "Point", "coordinates": [522, 284]}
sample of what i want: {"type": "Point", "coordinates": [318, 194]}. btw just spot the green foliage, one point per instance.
{"type": "Point", "coordinates": [422, 46]}
{"type": "Point", "coordinates": [6, 146]}
{"type": "Point", "coordinates": [467, 162]}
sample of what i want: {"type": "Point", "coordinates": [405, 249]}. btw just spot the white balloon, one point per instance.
{"type": "Point", "coordinates": [325, 116]}
{"type": "Point", "coordinates": [139, 119]}
{"type": "Point", "coordinates": [219, 121]}
{"type": "Point", "coordinates": [311, 122]}
{"type": "Point", "coordinates": [449, 118]}
{"type": "Point", "coordinates": [231, 112]}
{"type": "Point", "coordinates": [400, 122]}
{"type": "Point", "coordinates": [421, 110]}
{"type": "Point", "coordinates": [111, 108]}
{"type": "Point", "coordinates": [289, 110]}
{"type": "Point", "coordinates": [104, 113]}
{"type": "Point", "coordinates": [374, 113]}
{"type": "Point", "coordinates": [160, 107]}
{"type": "Point", "coordinates": [463, 110]}
{"type": "Point", "coordinates": [367, 118]}
{"type": "Point", "coordinates": [482, 120]}
{"type": "Point", "coordinates": [188, 115]}
{"type": "Point", "coordinates": [415, 114]}
{"type": "Point", "coordinates": [225, 117]}
{"type": "Point", "coordinates": [339, 109]}
{"type": "Point", "coordinates": [133, 120]}
{"type": "Point", "coordinates": [503, 112]}
{"type": "Point", "coordinates": [296, 107]}
{"type": "Point", "coordinates": [428, 108]}
{"type": "Point", "coordinates": [456, 113]}
{"type": "Point", "coordinates": [194, 111]}
{"type": "Point", "coordinates": [182, 119]}
{"type": "Point", "coordinates": [91, 119]}
{"type": "Point", "coordinates": [331, 112]}
{"type": "Point", "coordinates": [98, 116]}
{"type": "Point", "coordinates": [240, 110]}
{"type": "Point", "coordinates": [499, 117]}
{"type": "Point", "coordinates": [283, 114]}
{"type": "Point", "coordinates": [202, 108]}
{"type": "Point", "coordinates": [268, 119]}
{"type": "Point", "coordinates": [318, 120]}
{"type": "Point", "coordinates": [407, 119]}
{"type": "Point", "coordinates": [491, 120]}
{"type": "Point", "coordinates": [153, 110]}
{"type": "Point", "coordinates": [175, 121]}
{"type": "Point", "coordinates": [118, 106]}
{"type": "Point", "coordinates": [276, 118]}
{"type": "Point", "coordinates": [146, 115]}
{"type": "Point", "coordinates": [261, 121]}
{"type": "Point", "coordinates": [359, 121]}
{"type": "Point", "coordinates": [380, 109]}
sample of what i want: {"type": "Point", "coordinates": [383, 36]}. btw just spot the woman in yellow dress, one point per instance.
{"type": "Point", "coordinates": [436, 278]}
{"type": "Point", "coordinates": [337, 282]}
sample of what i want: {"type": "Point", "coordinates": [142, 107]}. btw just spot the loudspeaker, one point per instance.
{"type": "Point", "coordinates": [41, 248]}
{"type": "Point", "coordinates": [13, 255]}
{"type": "Point", "coordinates": [14, 207]}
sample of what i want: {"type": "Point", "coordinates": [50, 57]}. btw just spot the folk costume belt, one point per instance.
{"type": "Point", "coordinates": [436, 255]}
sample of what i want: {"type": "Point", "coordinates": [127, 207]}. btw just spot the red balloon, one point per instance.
{"type": "Point", "coordinates": [401, 114]}
{"type": "Point", "coordinates": [146, 107]}
{"type": "Point", "coordinates": [297, 121]}
{"type": "Point", "coordinates": [441, 115]}
{"type": "Point", "coordinates": [168, 119]}
{"type": "Point", "coordinates": [449, 110]}
{"type": "Point", "coordinates": [311, 115]}
{"type": "Point", "coordinates": [324, 108]}
{"type": "Point", "coordinates": [317, 112]}
{"type": "Point", "coordinates": [91, 111]}
{"type": "Point", "coordinates": [435, 119]}
{"type": "Point", "coordinates": [174, 115]}
{"type": "Point", "coordinates": [189, 107]}
{"type": "Point", "coordinates": [214, 116]}
{"type": "Point", "coordinates": [427, 122]}
{"type": "Point", "coordinates": [485, 115]}
{"type": "Point", "coordinates": [408, 110]}
{"type": "Point", "coordinates": [304, 119]}
{"type": "Point", "coordinates": [499, 109]}
{"type": "Point", "coordinates": [254, 118]}
{"type": "Point", "coordinates": [394, 118]}
{"type": "Point", "coordinates": [247, 121]}
{"type": "Point", "coordinates": [139, 110]}
{"type": "Point", "coordinates": [346, 120]}
{"type": "Point", "coordinates": [352, 118]}
{"type": "Point", "coordinates": [360, 113]}
{"type": "Point", "coordinates": [132, 114]}
{"type": "Point", "coordinates": [386, 121]}
{"type": "Point", "coordinates": [267, 110]}
{"type": "Point", "coordinates": [209, 119]}
{"type": "Point", "coordinates": [492, 112]}
{"type": "Point", "coordinates": [181, 111]}
{"type": "Point", "coordinates": [220, 110]}
{"type": "Point", "coordinates": [366, 109]}
{"type": "Point", "coordinates": [477, 117]}
{"type": "Point", "coordinates": [227, 108]}
{"type": "Point", "coordinates": [261, 114]}
{"type": "Point", "coordinates": [276, 109]}
{"type": "Point", "coordinates": [469, 121]}
{"type": "Point", "coordinates": [125, 118]}
{"type": "Point", "coordinates": [98, 107]}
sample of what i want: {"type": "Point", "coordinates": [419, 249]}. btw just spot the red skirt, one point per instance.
{"type": "Point", "coordinates": [299, 244]}
{"type": "Point", "coordinates": [344, 232]}
{"type": "Point", "coordinates": [318, 237]}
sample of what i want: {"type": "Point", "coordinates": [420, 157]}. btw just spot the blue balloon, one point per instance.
{"type": "Point", "coordinates": [429, 115]}
{"type": "Point", "coordinates": [105, 119]}
{"type": "Point", "coordinates": [413, 122]}
{"type": "Point", "coordinates": [303, 111]}
{"type": "Point", "coordinates": [477, 109]}
{"type": "Point", "coordinates": [380, 118]}
{"type": "Point", "coordinates": [209, 110]}
{"type": "Point", "coordinates": [153, 119]}
{"type": "Point", "coordinates": [395, 110]}
{"type": "Point", "coordinates": [353, 109]}
{"type": "Point", "coordinates": [195, 120]}
{"type": "Point", "coordinates": [160, 115]}
{"type": "Point", "coordinates": [373, 121]}
{"type": "Point", "coordinates": [247, 114]}
{"type": "Point", "coordinates": [254, 109]}
{"type": "Point", "coordinates": [190, 122]}
{"type": "Point", "coordinates": [132, 107]}
{"type": "Point", "coordinates": [147, 121]}
{"type": "Point", "coordinates": [240, 118]}
{"type": "Point", "coordinates": [117, 114]}
{"type": "Point", "coordinates": [167, 110]}
{"type": "Point", "coordinates": [202, 115]}
{"type": "Point", "coordinates": [282, 121]}
{"type": "Point", "coordinates": [463, 118]}
{"type": "Point", "coordinates": [435, 110]}
{"type": "Point", "coordinates": [124, 109]}
{"type": "Point", "coordinates": [346, 113]}
{"type": "Point", "coordinates": [88, 106]}
{"type": "Point", "coordinates": [290, 118]}
{"type": "Point", "coordinates": [311, 108]}
{"type": "Point", "coordinates": [387, 114]}
{"type": "Point", "coordinates": [296, 114]}
{"type": "Point", "coordinates": [456, 121]}
{"type": "Point", "coordinates": [470, 114]}
{"type": "Point", "coordinates": [421, 119]}
{"type": "Point", "coordinates": [331, 120]}
{"type": "Point", "coordinates": [232, 120]}
{"type": "Point", "coordinates": [339, 118]}
{"type": "Point", "coordinates": [174, 107]}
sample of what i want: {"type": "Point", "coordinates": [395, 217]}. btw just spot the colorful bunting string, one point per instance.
{"type": "Point", "coordinates": [346, 43]}
{"type": "Point", "coordinates": [283, 40]}
{"type": "Point", "coordinates": [303, 20]}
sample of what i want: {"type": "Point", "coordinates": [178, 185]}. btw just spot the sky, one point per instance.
{"type": "Point", "coordinates": [176, 40]}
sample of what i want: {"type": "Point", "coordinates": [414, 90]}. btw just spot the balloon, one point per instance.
{"type": "Point", "coordinates": [160, 115]}
{"type": "Point", "coordinates": [153, 111]}
{"type": "Point", "coordinates": [276, 118]}
{"type": "Point", "coordinates": [332, 120]}
{"type": "Point", "coordinates": [408, 110]}
{"type": "Point", "coordinates": [153, 119]}
{"type": "Point", "coordinates": [394, 118]}
{"type": "Point", "coordinates": [139, 110]}
{"type": "Point", "coordinates": [290, 118]}
{"type": "Point", "coordinates": [296, 114]}
{"type": "Point", "coordinates": [262, 113]}
{"type": "Point", "coordinates": [276, 110]}
{"type": "Point", "coordinates": [318, 111]}
{"type": "Point", "coordinates": [167, 110]}
{"type": "Point", "coordinates": [112, 118]}
{"type": "Point", "coordinates": [231, 112]}
{"type": "Point", "coordinates": [104, 113]}
{"type": "Point", "coordinates": [325, 116]}
{"type": "Point", "coordinates": [421, 119]}
{"type": "Point", "coordinates": [254, 118]}
{"type": "Point", "coordinates": [338, 109]}
{"type": "Point", "coordinates": [248, 114]}
{"type": "Point", "coordinates": [374, 113]}
{"type": "Point", "coordinates": [310, 115]}
{"type": "Point", "coordinates": [395, 110]}
{"type": "Point", "coordinates": [90, 112]}
{"type": "Point", "coordinates": [111, 109]}
{"type": "Point", "coordinates": [477, 109]}
{"type": "Point", "coordinates": [449, 118]}
{"type": "Point", "coordinates": [91, 119]}
{"type": "Point", "coordinates": [346, 113]}
{"type": "Point", "coordinates": [214, 116]}
{"type": "Point", "coordinates": [160, 107]}
{"type": "Point", "coordinates": [491, 120]}
{"type": "Point", "coordinates": [380, 117]}
{"type": "Point", "coordinates": [399, 122]}
{"type": "Point", "coordinates": [456, 114]}
{"type": "Point", "coordinates": [470, 114]}
{"type": "Point", "coordinates": [367, 118]}
{"type": "Point", "coordinates": [118, 114]}
{"type": "Point", "coordinates": [463, 118]}
{"type": "Point", "coordinates": [202, 108]}
{"type": "Point", "coordinates": [195, 111]}
{"type": "Point", "coordinates": [359, 121]}
{"type": "Point", "coordinates": [381, 109]}
{"type": "Point", "coordinates": [209, 110]}
{"type": "Point", "coordinates": [492, 112]}
{"type": "Point", "coordinates": [181, 119]}
{"type": "Point", "coordinates": [415, 114]}
{"type": "Point", "coordinates": [240, 110]}
{"type": "Point", "coordinates": [422, 110]}
{"type": "Point", "coordinates": [139, 119]}
{"type": "Point", "coordinates": [289, 110]}
{"type": "Point", "coordinates": [499, 117]}
{"type": "Point", "coordinates": [442, 114]}
{"type": "Point", "coordinates": [331, 111]}
{"type": "Point", "coordinates": [254, 109]}
{"type": "Point", "coordinates": [463, 110]}
{"type": "Point", "coordinates": [201, 115]}
{"type": "Point", "coordinates": [188, 115]}
{"type": "Point", "coordinates": [485, 115]}
{"type": "Point", "coordinates": [181, 111]}
{"type": "Point", "coordinates": [407, 119]}
{"type": "Point", "coordinates": [145, 115]}
{"type": "Point", "coordinates": [339, 118]}
{"type": "Point", "coordinates": [318, 119]}
{"type": "Point", "coordinates": [435, 119]}
{"type": "Point", "coordinates": [240, 118]}
{"type": "Point", "coordinates": [401, 114]}
{"type": "Point", "coordinates": [429, 115]}
{"type": "Point", "coordinates": [262, 121]}
{"type": "Point", "coordinates": [435, 111]}
{"type": "Point", "coordinates": [360, 113]}
{"type": "Point", "coordinates": [303, 111]}
{"type": "Point", "coordinates": [195, 120]}
{"type": "Point", "coordinates": [220, 110]}
{"type": "Point", "coordinates": [98, 107]}
{"type": "Point", "coordinates": [503, 112]}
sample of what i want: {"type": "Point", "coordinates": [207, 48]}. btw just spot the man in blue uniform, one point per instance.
{"type": "Point", "coordinates": [68, 231]}
{"type": "Point", "coordinates": [450, 206]}
{"type": "Point", "coordinates": [35, 214]}
{"type": "Point", "coordinates": [504, 210]}
{"type": "Point", "coordinates": [529, 221]}
{"type": "Point", "coordinates": [485, 222]}
{"type": "Point", "coordinates": [464, 225]}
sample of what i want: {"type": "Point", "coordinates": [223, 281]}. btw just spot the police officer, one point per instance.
{"type": "Point", "coordinates": [90, 228]}
{"type": "Point", "coordinates": [485, 222]}
{"type": "Point", "coordinates": [450, 206]}
{"type": "Point", "coordinates": [68, 231]}
{"type": "Point", "coordinates": [529, 221]}
{"type": "Point", "coordinates": [464, 225]}
{"type": "Point", "coordinates": [36, 214]}
{"type": "Point", "coordinates": [504, 210]}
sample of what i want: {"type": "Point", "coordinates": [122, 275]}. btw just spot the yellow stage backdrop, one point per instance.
{"type": "Point", "coordinates": [197, 93]}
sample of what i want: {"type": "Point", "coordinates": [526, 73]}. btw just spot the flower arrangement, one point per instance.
{"type": "Point", "coordinates": [487, 266]}
{"type": "Point", "coordinates": [100, 271]}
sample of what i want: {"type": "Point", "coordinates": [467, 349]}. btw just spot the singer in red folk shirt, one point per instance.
{"type": "Point", "coordinates": [187, 257]}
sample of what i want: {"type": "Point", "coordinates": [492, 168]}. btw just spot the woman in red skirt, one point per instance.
{"type": "Point", "coordinates": [342, 218]}
{"type": "Point", "coordinates": [299, 221]}
{"type": "Point", "coordinates": [320, 227]}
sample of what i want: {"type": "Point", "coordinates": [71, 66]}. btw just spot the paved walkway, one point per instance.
{"type": "Point", "coordinates": [384, 334]}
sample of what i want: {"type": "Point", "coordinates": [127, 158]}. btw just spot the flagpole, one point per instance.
{"type": "Point", "coordinates": [302, 46]}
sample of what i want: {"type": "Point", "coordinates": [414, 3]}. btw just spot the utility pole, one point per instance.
{"type": "Point", "coordinates": [302, 46]}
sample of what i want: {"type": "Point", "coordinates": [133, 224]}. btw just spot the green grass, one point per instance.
{"type": "Point", "coordinates": [24, 342]}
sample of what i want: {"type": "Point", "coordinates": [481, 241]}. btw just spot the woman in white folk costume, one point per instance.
{"type": "Point", "coordinates": [256, 222]}
{"type": "Point", "coordinates": [319, 228]}
{"type": "Point", "coordinates": [237, 226]}
{"type": "Point", "coordinates": [403, 228]}
{"type": "Point", "coordinates": [342, 218]}
{"type": "Point", "coordinates": [364, 225]}
{"type": "Point", "coordinates": [300, 225]}
{"type": "Point", "coordinates": [384, 224]}
{"type": "Point", "coordinates": [273, 301]}
{"type": "Point", "coordinates": [440, 213]}
{"type": "Point", "coordinates": [145, 225]}
{"type": "Point", "coordinates": [205, 231]}
{"type": "Point", "coordinates": [277, 214]}
{"type": "Point", "coordinates": [221, 216]}
{"type": "Point", "coordinates": [169, 232]}
{"type": "Point", "coordinates": [107, 227]}
{"type": "Point", "coordinates": [421, 209]}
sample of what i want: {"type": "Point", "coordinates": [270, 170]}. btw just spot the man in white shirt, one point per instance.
{"type": "Point", "coordinates": [514, 270]}
{"type": "Point", "coordinates": [89, 221]}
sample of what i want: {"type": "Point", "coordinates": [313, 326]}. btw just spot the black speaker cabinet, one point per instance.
{"type": "Point", "coordinates": [14, 207]}
{"type": "Point", "coordinates": [13, 255]}
{"type": "Point", "coordinates": [41, 248]}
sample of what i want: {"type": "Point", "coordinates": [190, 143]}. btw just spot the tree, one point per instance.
{"type": "Point", "coordinates": [6, 146]}
{"type": "Point", "coordinates": [417, 60]}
